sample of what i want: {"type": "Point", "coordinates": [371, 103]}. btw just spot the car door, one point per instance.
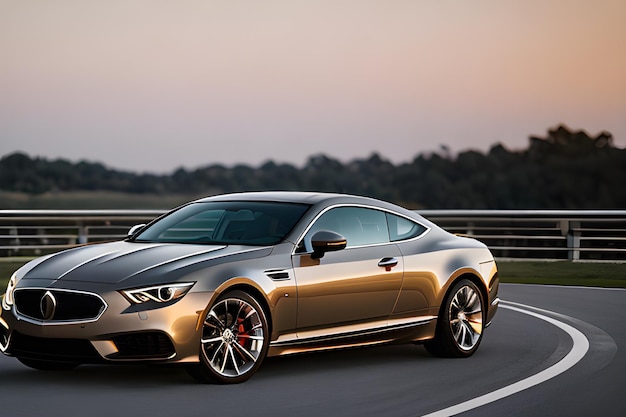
{"type": "Point", "coordinates": [349, 289]}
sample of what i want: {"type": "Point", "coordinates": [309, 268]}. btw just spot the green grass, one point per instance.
{"type": "Point", "coordinates": [556, 273]}
{"type": "Point", "coordinates": [588, 274]}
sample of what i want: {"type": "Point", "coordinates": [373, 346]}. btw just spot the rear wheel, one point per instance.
{"type": "Point", "coordinates": [460, 324]}
{"type": "Point", "coordinates": [47, 365]}
{"type": "Point", "coordinates": [234, 340]}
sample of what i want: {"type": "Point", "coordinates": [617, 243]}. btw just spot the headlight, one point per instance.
{"type": "Point", "coordinates": [7, 301]}
{"type": "Point", "coordinates": [159, 293]}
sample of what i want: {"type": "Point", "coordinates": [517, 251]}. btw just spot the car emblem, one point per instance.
{"type": "Point", "coordinates": [47, 305]}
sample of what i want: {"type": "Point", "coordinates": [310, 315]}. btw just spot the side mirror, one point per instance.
{"type": "Point", "coordinates": [135, 229]}
{"type": "Point", "coordinates": [326, 241]}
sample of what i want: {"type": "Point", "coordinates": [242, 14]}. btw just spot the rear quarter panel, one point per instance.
{"type": "Point", "coordinates": [433, 263]}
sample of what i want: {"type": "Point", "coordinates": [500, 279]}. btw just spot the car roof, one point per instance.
{"type": "Point", "coordinates": [282, 196]}
{"type": "Point", "coordinates": [311, 198]}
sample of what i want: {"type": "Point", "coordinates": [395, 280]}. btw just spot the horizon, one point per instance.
{"type": "Point", "coordinates": [155, 86]}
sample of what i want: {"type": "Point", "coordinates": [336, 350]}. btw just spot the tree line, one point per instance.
{"type": "Point", "coordinates": [565, 170]}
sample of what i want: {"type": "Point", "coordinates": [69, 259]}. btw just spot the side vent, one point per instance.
{"type": "Point", "coordinates": [278, 274]}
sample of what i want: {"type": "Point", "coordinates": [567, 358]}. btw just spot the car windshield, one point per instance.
{"type": "Point", "coordinates": [224, 223]}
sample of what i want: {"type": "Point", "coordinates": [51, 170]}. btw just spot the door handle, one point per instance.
{"type": "Point", "coordinates": [388, 263]}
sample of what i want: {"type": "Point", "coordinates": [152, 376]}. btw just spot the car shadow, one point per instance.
{"type": "Point", "coordinates": [304, 365]}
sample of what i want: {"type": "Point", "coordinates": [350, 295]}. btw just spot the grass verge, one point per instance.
{"type": "Point", "coordinates": [522, 272]}
{"type": "Point", "coordinates": [587, 274]}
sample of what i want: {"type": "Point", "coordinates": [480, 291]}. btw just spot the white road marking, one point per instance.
{"type": "Point", "coordinates": [578, 351]}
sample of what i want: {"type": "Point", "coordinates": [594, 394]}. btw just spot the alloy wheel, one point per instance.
{"type": "Point", "coordinates": [465, 316]}
{"type": "Point", "coordinates": [233, 337]}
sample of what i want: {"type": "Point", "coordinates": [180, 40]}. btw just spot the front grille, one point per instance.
{"type": "Point", "coordinates": [145, 345]}
{"type": "Point", "coordinates": [61, 350]}
{"type": "Point", "coordinates": [51, 305]}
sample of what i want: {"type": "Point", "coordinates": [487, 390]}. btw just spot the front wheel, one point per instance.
{"type": "Point", "coordinates": [460, 324]}
{"type": "Point", "coordinates": [234, 341]}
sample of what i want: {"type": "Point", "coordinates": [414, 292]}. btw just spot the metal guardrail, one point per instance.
{"type": "Point", "coordinates": [38, 232]}
{"type": "Point", "coordinates": [577, 235]}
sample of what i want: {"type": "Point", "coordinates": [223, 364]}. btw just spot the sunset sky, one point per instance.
{"type": "Point", "coordinates": [152, 85]}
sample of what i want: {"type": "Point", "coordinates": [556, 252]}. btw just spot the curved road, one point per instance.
{"type": "Point", "coordinates": [390, 380]}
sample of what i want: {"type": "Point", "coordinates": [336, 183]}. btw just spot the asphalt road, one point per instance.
{"type": "Point", "coordinates": [381, 381]}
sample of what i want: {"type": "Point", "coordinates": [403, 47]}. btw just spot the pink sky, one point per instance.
{"type": "Point", "coordinates": [154, 85]}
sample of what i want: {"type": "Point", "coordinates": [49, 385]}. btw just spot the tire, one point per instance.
{"type": "Point", "coordinates": [460, 323]}
{"type": "Point", "coordinates": [234, 340]}
{"type": "Point", "coordinates": [48, 365]}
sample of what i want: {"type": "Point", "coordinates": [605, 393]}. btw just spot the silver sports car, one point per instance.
{"type": "Point", "coordinates": [222, 282]}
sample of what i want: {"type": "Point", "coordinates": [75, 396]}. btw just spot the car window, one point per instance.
{"type": "Point", "coordinates": [360, 226]}
{"type": "Point", "coordinates": [401, 228]}
{"type": "Point", "coordinates": [233, 222]}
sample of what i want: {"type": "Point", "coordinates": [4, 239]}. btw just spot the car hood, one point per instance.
{"type": "Point", "coordinates": [128, 261]}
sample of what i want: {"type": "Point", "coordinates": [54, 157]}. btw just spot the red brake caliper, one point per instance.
{"type": "Point", "coordinates": [242, 331]}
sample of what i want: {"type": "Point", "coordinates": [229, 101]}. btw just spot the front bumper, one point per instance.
{"type": "Point", "coordinates": [168, 334]}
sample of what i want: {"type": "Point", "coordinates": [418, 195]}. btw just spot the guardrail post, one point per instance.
{"type": "Point", "coordinates": [573, 240]}
{"type": "Point", "coordinates": [82, 233]}
{"type": "Point", "coordinates": [470, 228]}
{"type": "Point", "coordinates": [15, 241]}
